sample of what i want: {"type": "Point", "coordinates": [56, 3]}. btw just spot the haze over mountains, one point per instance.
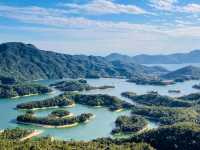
{"type": "Point", "coordinates": [28, 62]}
{"type": "Point", "coordinates": [177, 58]}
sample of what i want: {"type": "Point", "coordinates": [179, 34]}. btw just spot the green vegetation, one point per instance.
{"type": "Point", "coordinates": [14, 134]}
{"type": "Point", "coordinates": [76, 85]}
{"type": "Point", "coordinates": [60, 113]}
{"type": "Point", "coordinates": [68, 99]}
{"type": "Point", "coordinates": [17, 90]}
{"type": "Point", "coordinates": [184, 136]}
{"type": "Point", "coordinates": [112, 102]}
{"type": "Point", "coordinates": [58, 101]}
{"type": "Point", "coordinates": [152, 99]}
{"type": "Point", "coordinates": [128, 125]}
{"type": "Point", "coordinates": [25, 61]}
{"type": "Point", "coordinates": [48, 143]}
{"type": "Point", "coordinates": [53, 121]}
{"type": "Point", "coordinates": [167, 116]}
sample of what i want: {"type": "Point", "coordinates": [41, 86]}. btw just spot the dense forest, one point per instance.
{"type": "Point", "coordinates": [180, 136]}
{"type": "Point", "coordinates": [14, 134]}
{"type": "Point", "coordinates": [25, 61]}
{"type": "Point", "coordinates": [47, 142]}
{"type": "Point", "coordinates": [184, 136]}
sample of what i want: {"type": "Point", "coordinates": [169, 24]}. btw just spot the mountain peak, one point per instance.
{"type": "Point", "coordinates": [16, 45]}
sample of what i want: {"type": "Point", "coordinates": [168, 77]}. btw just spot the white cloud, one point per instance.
{"type": "Point", "coordinates": [104, 7]}
{"type": "Point", "coordinates": [166, 5]}
{"type": "Point", "coordinates": [78, 33]}
{"type": "Point", "coordinates": [58, 18]}
{"type": "Point", "coordinates": [191, 8]}
{"type": "Point", "coordinates": [172, 6]}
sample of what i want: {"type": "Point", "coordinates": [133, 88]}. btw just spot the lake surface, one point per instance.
{"type": "Point", "coordinates": [100, 126]}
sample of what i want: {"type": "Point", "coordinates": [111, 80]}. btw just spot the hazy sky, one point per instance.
{"type": "Point", "coordinates": [100, 27]}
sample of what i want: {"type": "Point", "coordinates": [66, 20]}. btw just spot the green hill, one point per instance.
{"type": "Point", "coordinates": [177, 137]}
{"type": "Point", "coordinates": [25, 61]}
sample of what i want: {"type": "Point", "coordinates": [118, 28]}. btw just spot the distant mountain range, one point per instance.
{"type": "Point", "coordinates": [25, 61]}
{"type": "Point", "coordinates": [191, 57]}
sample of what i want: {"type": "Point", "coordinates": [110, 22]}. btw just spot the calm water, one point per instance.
{"type": "Point", "coordinates": [100, 126]}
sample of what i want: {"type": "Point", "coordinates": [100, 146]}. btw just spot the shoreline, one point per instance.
{"type": "Point", "coordinates": [88, 120]}
{"type": "Point", "coordinates": [68, 116]}
{"type": "Point", "coordinates": [33, 134]}
{"type": "Point", "coordinates": [25, 96]}
{"type": "Point", "coordinates": [49, 126]}
{"type": "Point", "coordinates": [119, 110]}
{"type": "Point", "coordinates": [144, 129]}
{"type": "Point", "coordinates": [43, 108]}
{"type": "Point", "coordinates": [52, 126]}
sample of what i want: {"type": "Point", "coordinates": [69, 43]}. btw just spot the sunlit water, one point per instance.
{"type": "Point", "coordinates": [100, 126]}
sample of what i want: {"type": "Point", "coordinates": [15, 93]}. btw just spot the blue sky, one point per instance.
{"type": "Point", "coordinates": [100, 27]}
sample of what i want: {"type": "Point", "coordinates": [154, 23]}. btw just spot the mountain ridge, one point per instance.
{"type": "Point", "coordinates": [176, 58]}
{"type": "Point", "coordinates": [28, 62]}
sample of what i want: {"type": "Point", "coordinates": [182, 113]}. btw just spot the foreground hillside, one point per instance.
{"type": "Point", "coordinates": [10, 139]}
{"type": "Point", "coordinates": [28, 62]}
{"type": "Point", "coordinates": [177, 137]}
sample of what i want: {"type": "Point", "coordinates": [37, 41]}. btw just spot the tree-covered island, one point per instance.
{"type": "Point", "coordinates": [20, 89]}
{"type": "Point", "coordinates": [129, 124]}
{"type": "Point", "coordinates": [53, 121]}
{"type": "Point", "coordinates": [154, 99]}
{"type": "Point", "coordinates": [77, 85]}
{"type": "Point", "coordinates": [111, 102]}
{"type": "Point", "coordinates": [58, 101]}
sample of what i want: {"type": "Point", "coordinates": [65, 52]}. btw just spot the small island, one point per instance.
{"type": "Point", "coordinates": [77, 85]}
{"type": "Point", "coordinates": [154, 99]}
{"type": "Point", "coordinates": [150, 80]}
{"type": "Point", "coordinates": [53, 121]}
{"type": "Point", "coordinates": [58, 101]}
{"type": "Point", "coordinates": [98, 100]}
{"type": "Point", "coordinates": [196, 86]}
{"type": "Point", "coordinates": [19, 90]}
{"type": "Point", "coordinates": [174, 91]}
{"type": "Point", "coordinates": [129, 125]}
